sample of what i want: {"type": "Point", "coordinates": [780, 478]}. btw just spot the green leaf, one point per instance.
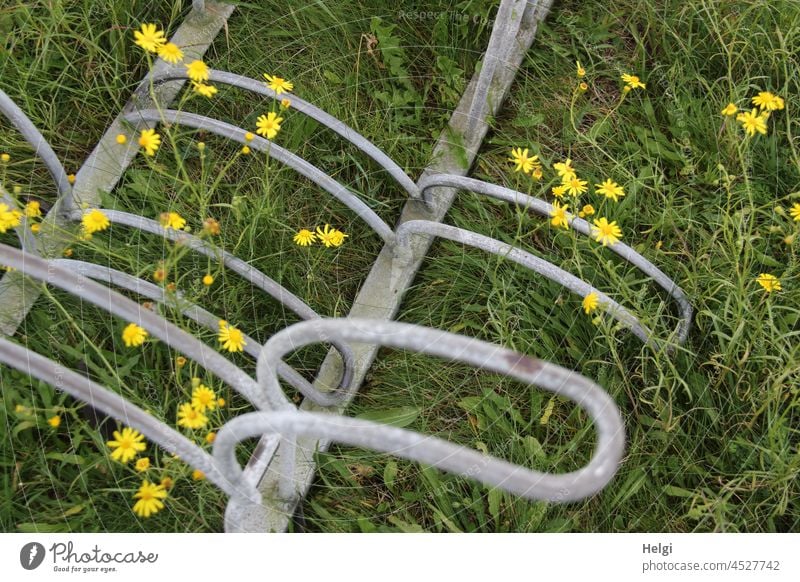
{"type": "Point", "coordinates": [399, 417]}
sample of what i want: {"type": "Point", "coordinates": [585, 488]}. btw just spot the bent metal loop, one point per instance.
{"type": "Point", "coordinates": [264, 493]}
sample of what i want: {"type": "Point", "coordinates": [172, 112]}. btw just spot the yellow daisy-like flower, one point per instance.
{"type": "Point", "coordinates": [149, 38]}
{"type": "Point", "coordinates": [610, 189]}
{"type": "Point", "coordinates": [752, 122]}
{"type": "Point", "coordinates": [565, 170]}
{"type": "Point", "coordinates": [591, 302]}
{"type": "Point", "coordinates": [198, 475]}
{"type": "Point", "coordinates": [149, 140]}
{"type": "Point", "coordinates": [71, 178]}
{"type": "Point", "coordinates": [9, 217]}
{"type": "Point", "coordinates": [794, 211]}
{"type": "Point", "coordinates": [150, 498]}
{"type": "Point", "coordinates": [211, 437]}
{"type": "Point", "coordinates": [203, 398]}
{"type": "Point", "coordinates": [220, 402]}
{"type": "Point", "coordinates": [171, 53]}
{"type": "Point", "coordinates": [330, 237]}
{"type": "Point", "coordinates": [560, 216]}
{"type": "Point", "coordinates": [121, 138]}
{"type": "Point", "coordinates": [575, 186]}
{"type": "Point", "coordinates": [5, 158]}
{"type": "Point", "coordinates": [558, 191]}
{"type": "Point", "coordinates": [768, 101]}
{"type": "Point", "coordinates": [133, 335]}
{"type": "Point", "coordinates": [231, 338]}
{"type": "Point", "coordinates": [126, 444]}
{"type": "Point", "coordinates": [204, 90]}
{"type": "Point", "coordinates": [35, 228]}
{"type": "Point", "coordinates": [54, 421]}
{"type": "Point", "coordinates": [249, 136]}
{"type": "Point", "coordinates": [190, 417]}
{"type": "Point", "coordinates": [245, 150]}
{"type": "Point", "coordinates": [587, 210]}
{"type": "Point", "coordinates": [95, 221]}
{"type": "Point", "coordinates": [268, 125]}
{"type": "Point", "coordinates": [769, 282]}
{"type": "Point", "coordinates": [208, 280]}
{"type": "Point", "coordinates": [632, 81]}
{"type": "Point", "coordinates": [197, 71]}
{"type": "Point", "coordinates": [523, 162]}
{"type": "Point", "coordinates": [142, 464]}
{"type": "Point", "coordinates": [730, 110]}
{"type": "Point", "coordinates": [33, 209]}
{"type": "Point", "coordinates": [580, 71]}
{"type": "Point", "coordinates": [286, 103]}
{"type": "Point", "coordinates": [304, 237]}
{"type": "Point", "coordinates": [278, 84]}
{"type": "Point", "coordinates": [606, 233]}
{"type": "Point", "coordinates": [172, 220]}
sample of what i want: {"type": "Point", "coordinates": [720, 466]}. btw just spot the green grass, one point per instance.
{"type": "Point", "coordinates": [712, 437]}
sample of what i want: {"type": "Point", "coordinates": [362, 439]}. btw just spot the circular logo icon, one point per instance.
{"type": "Point", "coordinates": [31, 555]}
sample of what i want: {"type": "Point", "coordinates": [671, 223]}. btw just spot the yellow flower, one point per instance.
{"type": "Point", "coordinates": [32, 209]}
{"type": "Point", "coordinates": [278, 84]}
{"type": "Point", "coordinates": [559, 215]}
{"type": "Point", "coordinates": [730, 110]}
{"type": "Point", "coordinates": [149, 140]}
{"type": "Point", "coordinates": [591, 302]}
{"type": "Point", "coordinates": [211, 226]}
{"type": "Point", "coordinates": [95, 221]}
{"type": "Point", "coordinates": [142, 464]}
{"type": "Point", "coordinates": [286, 103]}
{"type": "Point", "coordinates": [133, 335]}
{"type": "Point", "coordinates": [752, 122]}
{"type": "Point", "coordinates": [5, 158]}
{"type": "Point", "coordinates": [245, 150]}
{"type": "Point", "coordinates": [211, 437]}
{"type": "Point", "coordinates": [769, 282]}
{"type": "Point", "coordinates": [121, 138]}
{"type": "Point", "coordinates": [149, 498]}
{"type": "Point", "coordinates": [159, 274]}
{"type": "Point", "coordinates": [198, 475]}
{"type": "Point", "coordinates": [587, 210]}
{"type": "Point", "coordinates": [126, 444]}
{"type": "Point", "coordinates": [180, 361]}
{"type": "Point", "coordinates": [71, 178]}
{"type": "Point", "coordinates": [330, 237]}
{"type": "Point", "coordinates": [558, 191]}
{"type": "Point", "coordinates": [575, 186]}
{"type": "Point", "coordinates": [35, 228]}
{"type": "Point", "coordinates": [606, 233]}
{"type": "Point", "coordinates": [167, 482]}
{"type": "Point", "coordinates": [583, 87]}
{"type": "Point", "coordinates": [201, 146]}
{"type": "Point", "coordinates": [304, 237]}
{"type": "Point", "coordinates": [768, 101]}
{"type": "Point", "coordinates": [581, 72]}
{"type": "Point", "coordinates": [208, 280]}
{"type": "Point", "coordinates": [54, 421]}
{"type": "Point", "coordinates": [204, 90]}
{"type": "Point", "coordinates": [171, 53]}
{"type": "Point", "coordinates": [231, 338]}
{"type": "Point", "coordinates": [522, 161]}
{"type": "Point", "coordinates": [794, 211]}
{"type": "Point", "coordinates": [203, 398]}
{"type": "Point", "coordinates": [172, 220]}
{"type": "Point", "coordinates": [565, 170]}
{"type": "Point", "coordinates": [268, 125]}
{"type": "Point", "coordinates": [249, 136]}
{"type": "Point", "coordinates": [149, 38]}
{"type": "Point", "coordinates": [632, 81]}
{"type": "Point", "coordinates": [197, 71]}
{"type": "Point", "coordinates": [536, 174]}
{"type": "Point", "coordinates": [190, 417]}
{"type": "Point", "coordinates": [610, 189]}
{"type": "Point", "coordinates": [9, 217]}
{"type": "Point", "coordinates": [220, 402]}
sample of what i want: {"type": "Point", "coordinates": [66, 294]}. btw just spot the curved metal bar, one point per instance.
{"type": "Point", "coordinates": [32, 135]}
{"type": "Point", "coordinates": [195, 313]}
{"type": "Point", "coordinates": [439, 453]}
{"type": "Point", "coordinates": [303, 167]}
{"type": "Point", "coordinates": [255, 277]}
{"type": "Point", "coordinates": [312, 111]}
{"type": "Point", "coordinates": [506, 25]}
{"type": "Point", "coordinates": [80, 387]}
{"type": "Point", "coordinates": [528, 260]}
{"type": "Point", "coordinates": [123, 307]}
{"type": "Point", "coordinates": [543, 208]}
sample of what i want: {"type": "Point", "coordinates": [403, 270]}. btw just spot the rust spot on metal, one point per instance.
{"type": "Point", "coordinates": [523, 363]}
